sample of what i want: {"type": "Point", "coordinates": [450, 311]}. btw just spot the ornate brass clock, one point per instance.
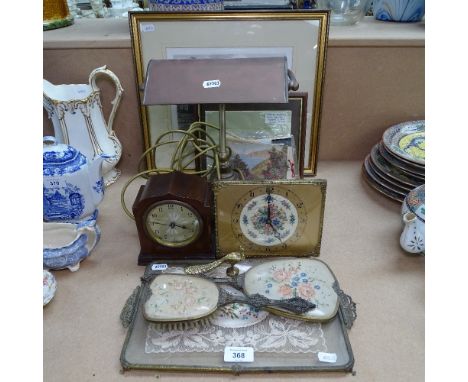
{"type": "Point", "coordinates": [269, 218]}
{"type": "Point", "coordinates": [173, 217]}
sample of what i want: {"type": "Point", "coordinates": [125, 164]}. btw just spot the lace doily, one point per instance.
{"type": "Point", "coordinates": [274, 334]}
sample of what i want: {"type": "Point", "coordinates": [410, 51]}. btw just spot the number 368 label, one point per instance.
{"type": "Point", "coordinates": [238, 354]}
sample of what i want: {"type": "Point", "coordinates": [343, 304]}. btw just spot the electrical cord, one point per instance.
{"type": "Point", "coordinates": [182, 157]}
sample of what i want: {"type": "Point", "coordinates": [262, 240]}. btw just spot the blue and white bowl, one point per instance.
{"type": "Point", "coordinates": [65, 245]}
{"type": "Point", "coordinates": [399, 10]}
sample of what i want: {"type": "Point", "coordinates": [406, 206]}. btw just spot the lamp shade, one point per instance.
{"type": "Point", "coordinates": [219, 81]}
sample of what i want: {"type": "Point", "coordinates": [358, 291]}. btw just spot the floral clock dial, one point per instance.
{"type": "Point", "coordinates": [268, 216]}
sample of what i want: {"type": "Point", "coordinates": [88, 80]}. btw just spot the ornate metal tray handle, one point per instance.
{"type": "Point", "coordinates": [128, 311]}
{"type": "Point", "coordinates": [348, 306]}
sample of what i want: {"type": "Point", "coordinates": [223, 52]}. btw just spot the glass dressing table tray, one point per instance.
{"type": "Point", "coordinates": [278, 343]}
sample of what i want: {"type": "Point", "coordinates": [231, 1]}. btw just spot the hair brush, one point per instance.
{"type": "Point", "coordinates": [177, 300]}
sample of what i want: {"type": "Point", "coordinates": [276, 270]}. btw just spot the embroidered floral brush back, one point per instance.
{"type": "Point", "coordinates": [307, 278]}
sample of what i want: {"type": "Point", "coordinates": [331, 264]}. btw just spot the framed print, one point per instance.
{"type": "Point", "coordinates": [275, 123]}
{"type": "Point", "coordinates": [300, 36]}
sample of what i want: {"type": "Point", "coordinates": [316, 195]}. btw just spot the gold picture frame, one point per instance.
{"type": "Point", "coordinates": [241, 221]}
{"type": "Point", "coordinates": [301, 36]}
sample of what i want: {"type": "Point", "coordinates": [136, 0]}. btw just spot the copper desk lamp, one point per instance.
{"type": "Point", "coordinates": [219, 81]}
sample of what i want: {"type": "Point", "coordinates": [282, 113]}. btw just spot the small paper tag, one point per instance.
{"type": "Point", "coordinates": [147, 28]}
{"type": "Point", "coordinates": [327, 357]}
{"type": "Point", "coordinates": [54, 182]}
{"type": "Point", "coordinates": [238, 354]}
{"type": "Point", "coordinates": [211, 84]}
{"type": "Point", "coordinates": [159, 267]}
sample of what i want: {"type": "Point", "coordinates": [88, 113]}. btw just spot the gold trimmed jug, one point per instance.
{"type": "Point", "coordinates": [76, 114]}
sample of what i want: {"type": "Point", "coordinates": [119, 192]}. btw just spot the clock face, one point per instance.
{"type": "Point", "coordinates": [172, 223]}
{"type": "Point", "coordinates": [268, 216]}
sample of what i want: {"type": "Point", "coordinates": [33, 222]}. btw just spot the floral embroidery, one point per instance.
{"type": "Point", "coordinates": [240, 311]}
{"type": "Point", "coordinates": [179, 297]}
{"type": "Point", "coordinates": [285, 204]}
{"type": "Point", "coordinates": [260, 219]}
{"type": "Point", "coordinates": [252, 234]}
{"type": "Point", "coordinates": [288, 281]}
{"type": "Point", "coordinates": [192, 297]}
{"type": "Point", "coordinates": [269, 219]}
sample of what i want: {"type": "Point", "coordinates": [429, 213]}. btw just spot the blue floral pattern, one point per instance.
{"type": "Point", "coordinates": [99, 186]}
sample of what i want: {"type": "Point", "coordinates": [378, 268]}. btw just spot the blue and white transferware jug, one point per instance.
{"type": "Point", "coordinates": [73, 187]}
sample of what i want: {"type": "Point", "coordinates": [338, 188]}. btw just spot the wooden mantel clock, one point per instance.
{"type": "Point", "coordinates": [173, 218]}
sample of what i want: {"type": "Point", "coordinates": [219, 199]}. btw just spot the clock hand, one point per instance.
{"type": "Point", "coordinates": [268, 220]}
{"type": "Point", "coordinates": [172, 224]}
{"type": "Point", "coordinates": [268, 208]}
{"type": "Point", "coordinates": [276, 233]}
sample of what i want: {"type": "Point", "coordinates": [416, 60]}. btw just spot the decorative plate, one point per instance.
{"type": "Point", "coordinates": [49, 286]}
{"type": "Point", "coordinates": [407, 140]}
{"type": "Point", "coordinates": [415, 202]}
{"type": "Point", "coordinates": [307, 278]}
{"type": "Point", "coordinates": [378, 187]}
{"type": "Point", "coordinates": [409, 169]}
{"type": "Point", "coordinates": [382, 181]}
{"type": "Point", "coordinates": [238, 315]}
{"type": "Point", "coordinates": [416, 166]}
{"type": "Point", "coordinates": [383, 175]}
{"type": "Point", "coordinates": [378, 162]}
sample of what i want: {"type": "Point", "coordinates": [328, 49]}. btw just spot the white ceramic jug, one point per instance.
{"type": "Point", "coordinates": [78, 120]}
{"type": "Point", "coordinates": [413, 211]}
{"type": "Point", "coordinates": [412, 238]}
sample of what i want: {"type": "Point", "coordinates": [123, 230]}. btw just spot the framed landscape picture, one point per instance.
{"type": "Point", "coordinates": [300, 36]}
{"type": "Point", "coordinates": [267, 130]}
